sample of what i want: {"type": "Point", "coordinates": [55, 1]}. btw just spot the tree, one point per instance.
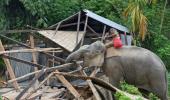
{"type": "Point", "coordinates": [138, 19]}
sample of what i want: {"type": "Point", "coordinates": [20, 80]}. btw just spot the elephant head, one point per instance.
{"type": "Point", "coordinates": [92, 55]}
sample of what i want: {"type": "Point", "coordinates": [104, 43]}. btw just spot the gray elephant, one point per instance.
{"type": "Point", "coordinates": [136, 65]}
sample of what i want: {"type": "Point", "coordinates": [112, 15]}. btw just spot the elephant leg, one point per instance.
{"type": "Point", "coordinates": [159, 91]}
{"type": "Point", "coordinates": [159, 87]}
{"type": "Point", "coordinates": [115, 76]}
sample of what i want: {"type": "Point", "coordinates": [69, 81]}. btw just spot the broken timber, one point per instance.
{"type": "Point", "coordinates": [9, 68]}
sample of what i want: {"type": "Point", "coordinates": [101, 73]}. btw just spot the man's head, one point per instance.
{"type": "Point", "coordinates": [113, 31]}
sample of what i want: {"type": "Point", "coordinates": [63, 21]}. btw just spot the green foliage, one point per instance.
{"type": "Point", "coordinates": [48, 12]}
{"type": "Point", "coordinates": [0, 97]}
{"type": "Point", "coordinates": [111, 9]}
{"type": "Point", "coordinates": [120, 96]}
{"type": "Point", "coordinates": [130, 89]}
{"type": "Point", "coordinates": [153, 97]}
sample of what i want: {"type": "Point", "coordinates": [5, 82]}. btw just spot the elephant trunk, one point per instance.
{"type": "Point", "coordinates": [77, 55]}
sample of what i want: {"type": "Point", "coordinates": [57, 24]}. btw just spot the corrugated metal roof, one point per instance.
{"type": "Point", "coordinates": [66, 39]}
{"type": "Point", "coordinates": [106, 21]}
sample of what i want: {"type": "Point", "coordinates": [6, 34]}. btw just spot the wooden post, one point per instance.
{"type": "Point", "coordinates": [85, 27]}
{"type": "Point", "coordinates": [104, 30]}
{"type": "Point", "coordinates": [53, 58]}
{"type": "Point", "coordinates": [32, 44]}
{"type": "Point", "coordinates": [78, 27]}
{"type": "Point", "coordinates": [57, 27]}
{"type": "Point", "coordinates": [126, 41]}
{"type": "Point", "coordinates": [9, 68]}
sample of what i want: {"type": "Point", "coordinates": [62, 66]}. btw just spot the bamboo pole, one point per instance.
{"type": "Point", "coordinates": [9, 68]}
{"type": "Point", "coordinates": [85, 27]}
{"type": "Point", "coordinates": [78, 27]}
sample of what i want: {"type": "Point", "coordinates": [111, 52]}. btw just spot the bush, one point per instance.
{"type": "Point", "coordinates": [132, 90]}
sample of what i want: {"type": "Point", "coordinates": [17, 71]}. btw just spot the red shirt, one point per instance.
{"type": "Point", "coordinates": [117, 43]}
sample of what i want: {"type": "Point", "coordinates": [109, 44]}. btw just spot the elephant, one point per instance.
{"type": "Point", "coordinates": [135, 65]}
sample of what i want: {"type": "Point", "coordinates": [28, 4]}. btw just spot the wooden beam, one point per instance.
{"type": "Point", "coordinates": [102, 83]}
{"type": "Point", "coordinates": [22, 61]}
{"type": "Point", "coordinates": [30, 50]}
{"type": "Point", "coordinates": [104, 31]}
{"type": "Point", "coordinates": [34, 59]}
{"type": "Point", "coordinates": [51, 74]}
{"type": "Point", "coordinates": [68, 85]}
{"type": "Point", "coordinates": [70, 24]}
{"type": "Point", "coordinates": [52, 26]}
{"type": "Point", "coordinates": [31, 84]}
{"type": "Point", "coordinates": [126, 41]}
{"type": "Point", "coordinates": [9, 68]}
{"type": "Point", "coordinates": [48, 70]}
{"type": "Point", "coordinates": [58, 26]}
{"type": "Point", "coordinates": [96, 94]}
{"type": "Point", "coordinates": [92, 30]}
{"type": "Point", "coordinates": [22, 44]}
{"type": "Point", "coordinates": [32, 44]}
{"type": "Point", "coordinates": [7, 38]}
{"type": "Point", "coordinates": [85, 27]}
{"type": "Point", "coordinates": [78, 27]}
{"type": "Point", "coordinates": [17, 31]}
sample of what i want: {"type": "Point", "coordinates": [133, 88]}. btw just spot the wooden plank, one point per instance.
{"type": "Point", "coordinates": [34, 60]}
{"type": "Point", "coordinates": [104, 31]}
{"type": "Point", "coordinates": [78, 27]}
{"type": "Point", "coordinates": [9, 68]}
{"type": "Point", "coordinates": [29, 94]}
{"type": "Point", "coordinates": [85, 27]}
{"type": "Point", "coordinates": [68, 85]}
{"type": "Point", "coordinates": [32, 44]}
{"type": "Point", "coordinates": [96, 94]}
{"type": "Point", "coordinates": [30, 50]}
{"type": "Point", "coordinates": [48, 70]}
{"type": "Point", "coordinates": [31, 84]}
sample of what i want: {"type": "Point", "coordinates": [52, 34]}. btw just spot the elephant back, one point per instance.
{"type": "Point", "coordinates": [111, 51]}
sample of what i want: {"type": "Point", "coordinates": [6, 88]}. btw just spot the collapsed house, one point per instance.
{"type": "Point", "coordinates": [58, 41]}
